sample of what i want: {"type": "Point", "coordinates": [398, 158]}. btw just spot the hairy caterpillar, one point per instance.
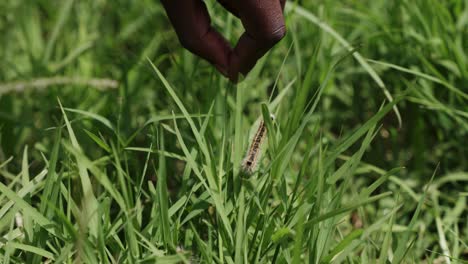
{"type": "Point", "coordinates": [250, 161]}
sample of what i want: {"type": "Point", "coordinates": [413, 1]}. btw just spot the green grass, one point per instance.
{"type": "Point", "coordinates": [117, 146]}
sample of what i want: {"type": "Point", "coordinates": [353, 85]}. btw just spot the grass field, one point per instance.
{"type": "Point", "coordinates": [118, 146]}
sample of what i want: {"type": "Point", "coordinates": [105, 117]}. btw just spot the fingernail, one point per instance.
{"type": "Point", "coordinates": [233, 77]}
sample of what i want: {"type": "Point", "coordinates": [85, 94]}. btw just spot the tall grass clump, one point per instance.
{"type": "Point", "coordinates": [117, 146]}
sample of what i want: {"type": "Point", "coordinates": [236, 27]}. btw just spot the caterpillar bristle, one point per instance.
{"type": "Point", "coordinates": [250, 162]}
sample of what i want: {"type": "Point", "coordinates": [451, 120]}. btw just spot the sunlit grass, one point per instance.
{"type": "Point", "coordinates": [365, 161]}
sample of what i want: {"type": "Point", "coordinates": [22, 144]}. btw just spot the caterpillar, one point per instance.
{"type": "Point", "coordinates": [250, 162]}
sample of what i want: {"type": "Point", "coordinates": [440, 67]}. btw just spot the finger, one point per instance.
{"type": "Point", "coordinates": [264, 26]}
{"type": "Point", "coordinates": [191, 22]}
{"type": "Point", "coordinates": [282, 3]}
{"type": "Point", "coordinates": [231, 6]}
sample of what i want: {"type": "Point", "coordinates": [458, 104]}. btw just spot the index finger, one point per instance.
{"type": "Point", "coordinates": [191, 22]}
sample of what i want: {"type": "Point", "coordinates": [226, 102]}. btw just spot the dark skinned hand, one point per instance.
{"type": "Point", "coordinates": [262, 19]}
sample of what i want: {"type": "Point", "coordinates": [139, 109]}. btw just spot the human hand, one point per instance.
{"type": "Point", "coordinates": [262, 19]}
